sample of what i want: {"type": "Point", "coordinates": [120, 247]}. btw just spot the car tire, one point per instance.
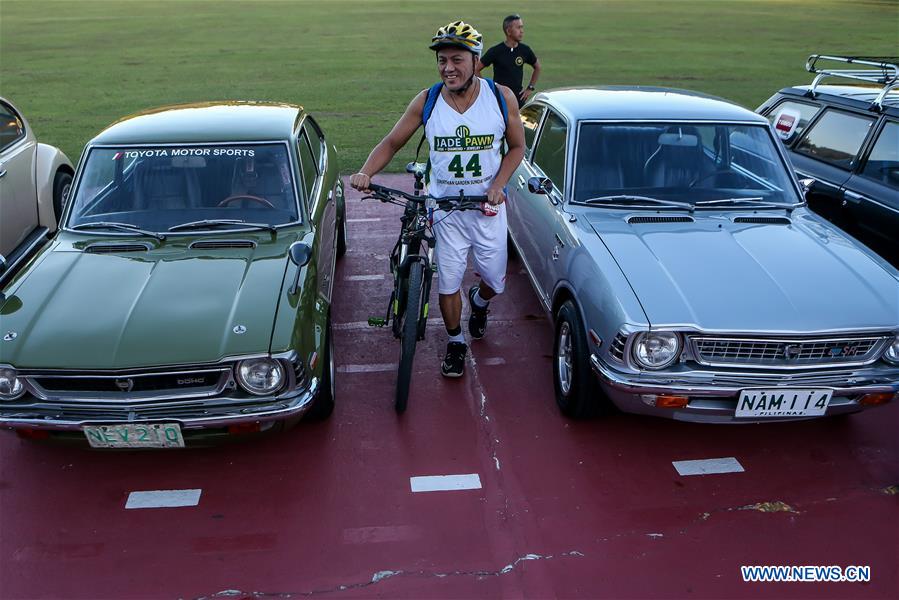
{"type": "Point", "coordinates": [62, 186]}
{"type": "Point", "coordinates": [323, 405]}
{"type": "Point", "coordinates": [341, 232]}
{"type": "Point", "coordinates": [577, 391]}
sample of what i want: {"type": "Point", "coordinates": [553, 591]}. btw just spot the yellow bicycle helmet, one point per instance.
{"type": "Point", "coordinates": [458, 34]}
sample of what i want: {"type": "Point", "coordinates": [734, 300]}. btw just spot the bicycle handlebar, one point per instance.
{"type": "Point", "coordinates": [460, 202]}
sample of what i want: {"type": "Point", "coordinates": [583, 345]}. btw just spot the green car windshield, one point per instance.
{"type": "Point", "coordinates": [696, 163]}
{"type": "Point", "coordinates": [157, 188]}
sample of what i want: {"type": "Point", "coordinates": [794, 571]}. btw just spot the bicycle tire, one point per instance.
{"type": "Point", "coordinates": [409, 337]}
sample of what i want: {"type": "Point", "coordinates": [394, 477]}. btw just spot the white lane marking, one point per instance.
{"type": "Point", "coordinates": [376, 368]}
{"type": "Point", "coordinates": [367, 220]}
{"type": "Point", "coordinates": [163, 498]}
{"type": "Point", "coordinates": [708, 466]}
{"type": "Point", "coordinates": [492, 362]}
{"type": "Point", "coordinates": [445, 483]}
{"type": "Point", "coordinates": [363, 277]}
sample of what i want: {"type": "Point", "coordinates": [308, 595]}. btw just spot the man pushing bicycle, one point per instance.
{"type": "Point", "coordinates": [465, 119]}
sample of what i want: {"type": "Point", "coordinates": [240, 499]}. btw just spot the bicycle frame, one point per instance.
{"type": "Point", "coordinates": [413, 234]}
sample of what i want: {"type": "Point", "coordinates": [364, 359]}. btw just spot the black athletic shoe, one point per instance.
{"type": "Point", "coordinates": [454, 361]}
{"type": "Point", "coordinates": [477, 322]}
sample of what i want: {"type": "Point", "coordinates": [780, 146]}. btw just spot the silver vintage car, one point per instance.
{"type": "Point", "coordinates": [666, 235]}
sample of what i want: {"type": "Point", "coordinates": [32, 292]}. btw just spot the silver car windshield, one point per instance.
{"type": "Point", "coordinates": [713, 165]}
{"type": "Point", "coordinates": [158, 188]}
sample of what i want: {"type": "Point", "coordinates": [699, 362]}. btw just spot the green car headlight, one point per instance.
{"type": "Point", "coordinates": [11, 385]}
{"type": "Point", "coordinates": [656, 349]}
{"type": "Point", "coordinates": [892, 353]}
{"type": "Point", "coordinates": [260, 376]}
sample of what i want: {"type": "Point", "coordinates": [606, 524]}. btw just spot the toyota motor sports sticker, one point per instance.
{"type": "Point", "coordinates": [785, 123]}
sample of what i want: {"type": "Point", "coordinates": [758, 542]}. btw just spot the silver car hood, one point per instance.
{"type": "Point", "coordinates": [718, 275]}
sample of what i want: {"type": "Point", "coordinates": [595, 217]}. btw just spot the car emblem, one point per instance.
{"type": "Point", "coordinates": [240, 329]}
{"type": "Point", "coordinates": [10, 336]}
{"type": "Point", "coordinates": [791, 351]}
{"type": "Point", "coordinates": [126, 385]}
{"type": "Point", "coordinates": [835, 352]}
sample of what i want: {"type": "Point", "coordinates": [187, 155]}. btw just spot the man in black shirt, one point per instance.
{"type": "Point", "coordinates": [508, 59]}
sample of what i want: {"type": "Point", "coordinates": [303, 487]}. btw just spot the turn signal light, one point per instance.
{"type": "Point", "coordinates": [666, 401]}
{"type": "Point", "coordinates": [244, 428]}
{"type": "Point", "coordinates": [875, 399]}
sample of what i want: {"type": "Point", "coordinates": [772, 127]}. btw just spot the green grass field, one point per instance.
{"type": "Point", "coordinates": [74, 67]}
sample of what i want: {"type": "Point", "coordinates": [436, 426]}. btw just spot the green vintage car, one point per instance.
{"type": "Point", "coordinates": [187, 295]}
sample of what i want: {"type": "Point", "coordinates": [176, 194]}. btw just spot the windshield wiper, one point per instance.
{"type": "Point", "coordinates": [631, 199]}
{"type": "Point", "coordinates": [756, 201]}
{"type": "Point", "coordinates": [209, 223]}
{"type": "Point", "coordinates": [119, 226]}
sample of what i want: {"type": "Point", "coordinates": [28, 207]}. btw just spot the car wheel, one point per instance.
{"type": "Point", "coordinates": [62, 185]}
{"type": "Point", "coordinates": [323, 405]}
{"type": "Point", "coordinates": [577, 392]}
{"type": "Point", "coordinates": [341, 232]}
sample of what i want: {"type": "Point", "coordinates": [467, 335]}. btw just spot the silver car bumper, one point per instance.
{"type": "Point", "coordinates": [191, 415]}
{"type": "Point", "coordinates": [713, 395]}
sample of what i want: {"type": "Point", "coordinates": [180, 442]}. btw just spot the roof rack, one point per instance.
{"type": "Point", "coordinates": [879, 71]}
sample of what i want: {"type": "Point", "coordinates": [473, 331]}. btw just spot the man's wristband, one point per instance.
{"type": "Point", "coordinates": [531, 87]}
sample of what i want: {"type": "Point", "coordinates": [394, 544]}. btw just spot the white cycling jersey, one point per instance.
{"type": "Point", "coordinates": [465, 155]}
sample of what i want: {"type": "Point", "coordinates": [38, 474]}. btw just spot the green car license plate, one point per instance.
{"type": "Point", "coordinates": [135, 435]}
{"type": "Point", "coordinates": [780, 402]}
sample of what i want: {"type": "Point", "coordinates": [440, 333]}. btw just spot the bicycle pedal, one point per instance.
{"type": "Point", "coordinates": [376, 322]}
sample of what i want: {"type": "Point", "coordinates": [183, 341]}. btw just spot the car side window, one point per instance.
{"type": "Point", "coordinates": [307, 163]}
{"type": "Point", "coordinates": [836, 137]}
{"type": "Point", "coordinates": [549, 154]}
{"type": "Point", "coordinates": [530, 118]}
{"type": "Point", "coordinates": [789, 119]}
{"type": "Point", "coordinates": [883, 163]}
{"type": "Point", "coordinates": [12, 129]}
{"type": "Point", "coordinates": [316, 139]}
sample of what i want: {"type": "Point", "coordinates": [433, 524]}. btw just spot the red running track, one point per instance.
{"type": "Point", "coordinates": [567, 509]}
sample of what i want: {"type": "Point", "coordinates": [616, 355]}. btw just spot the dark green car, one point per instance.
{"type": "Point", "coordinates": [188, 292]}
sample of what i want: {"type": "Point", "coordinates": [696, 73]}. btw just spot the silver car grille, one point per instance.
{"type": "Point", "coordinates": [787, 353]}
{"type": "Point", "coordinates": [616, 348]}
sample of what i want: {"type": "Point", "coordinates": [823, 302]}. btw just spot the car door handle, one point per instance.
{"type": "Point", "coordinates": [559, 241]}
{"type": "Point", "coordinates": [521, 181]}
{"type": "Point", "coordinates": [856, 198]}
{"type": "Point", "coordinates": [2, 172]}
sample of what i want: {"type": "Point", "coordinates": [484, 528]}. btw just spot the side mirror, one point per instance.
{"type": "Point", "coordinates": [540, 185]}
{"type": "Point", "coordinates": [806, 184]}
{"type": "Point", "coordinates": [300, 253]}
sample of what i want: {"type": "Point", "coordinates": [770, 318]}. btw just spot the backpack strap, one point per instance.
{"type": "Point", "coordinates": [430, 101]}
{"type": "Point", "coordinates": [500, 100]}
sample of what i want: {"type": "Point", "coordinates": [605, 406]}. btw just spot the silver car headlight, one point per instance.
{"type": "Point", "coordinates": [656, 349]}
{"type": "Point", "coordinates": [892, 352]}
{"type": "Point", "coordinates": [260, 376]}
{"type": "Point", "coordinates": [11, 386]}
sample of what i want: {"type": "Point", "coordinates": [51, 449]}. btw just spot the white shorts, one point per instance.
{"type": "Point", "coordinates": [461, 231]}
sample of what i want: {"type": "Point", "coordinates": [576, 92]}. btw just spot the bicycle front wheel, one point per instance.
{"type": "Point", "coordinates": [409, 337]}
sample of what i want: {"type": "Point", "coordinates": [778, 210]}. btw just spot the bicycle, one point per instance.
{"type": "Point", "coordinates": [411, 262]}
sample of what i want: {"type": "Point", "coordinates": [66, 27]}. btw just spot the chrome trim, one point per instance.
{"type": "Point", "coordinates": [873, 354]}
{"type": "Point", "coordinates": [712, 383]}
{"type": "Point", "coordinates": [285, 406]}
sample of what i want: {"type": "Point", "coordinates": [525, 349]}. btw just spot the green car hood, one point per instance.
{"type": "Point", "coordinates": [170, 305]}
